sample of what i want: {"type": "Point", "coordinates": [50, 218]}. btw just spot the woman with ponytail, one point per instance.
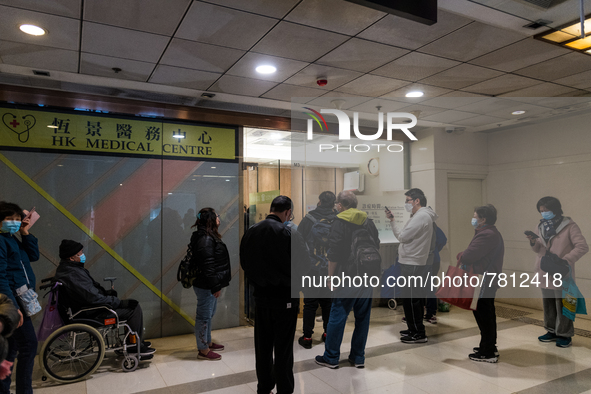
{"type": "Point", "coordinates": [210, 256]}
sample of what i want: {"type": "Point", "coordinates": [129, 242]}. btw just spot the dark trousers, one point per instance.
{"type": "Point", "coordinates": [131, 311]}
{"type": "Point", "coordinates": [23, 346]}
{"type": "Point", "coordinates": [413, 293]}
{"type": "Point", "coordinates": [274, 331]}
{"type": "Point", "coordinates": [310, 307]}
{"type": "Point", "coordinates": [431, 302]}
{"type": "Point", "coordinates": [486, 319]}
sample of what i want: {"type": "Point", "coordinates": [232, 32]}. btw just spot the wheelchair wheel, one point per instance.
{"type": "Point", "coordinates": [72, 353]}
{"type": "Point", "coordinates": [129, 363]}
{"type": "Point", "coordinates": [392, 304]}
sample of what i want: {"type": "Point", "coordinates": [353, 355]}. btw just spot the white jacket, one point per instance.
{"type": "Point", "coordinates": [415, 237]}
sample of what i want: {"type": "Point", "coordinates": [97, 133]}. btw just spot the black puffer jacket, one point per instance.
{"type": "Point", "coordinates": [81, 290]}
{"type": "Point", "coordinates": [211, 256]}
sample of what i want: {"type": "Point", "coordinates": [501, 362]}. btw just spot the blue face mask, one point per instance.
{"type": "Point", "coordinates": [82, 258]}
{"type": "Point", "coordinates": [474, 222]}
{"type": "Point", "coordinates": [547, 215]}
{"type": "Point", "coordinates": [11, 226]}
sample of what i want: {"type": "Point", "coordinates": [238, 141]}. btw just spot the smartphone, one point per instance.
{"type": "Point", "coordinates": [33, 216]}
{"type": "Point", "coordinates": [387, 209]}
{"type": "Point", "coordinates": [531, 233]}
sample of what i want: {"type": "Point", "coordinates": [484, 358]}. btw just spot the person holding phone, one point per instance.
{"type": "Point", "coordinates": [15, 272]}
{"type": "Point", "coordinates": [561, 236]}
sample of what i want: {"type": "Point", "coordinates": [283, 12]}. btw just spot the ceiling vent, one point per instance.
{"type": "Point", "coordinates": [537, 24]}
{"type": "Point", "coordinates": [546, 4]}
{"type": "Point", "coordinates": [41, 73]}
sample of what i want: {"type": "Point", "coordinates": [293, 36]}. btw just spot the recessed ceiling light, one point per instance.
{"type": "Point", "coordinates": [266, 69]}
{"type": "Point", "coordinates": [517, 112]}
{"type": "Point", "coordinates": [415, 94]}
{"type": "Point", "coordinates": [178, 136]}
{"type": "Point", "coordinates": [51, 126]}
{"type": "Point", "coordinates": [213, 167]}
{"type": "Point", "coordinates": [32, 30]}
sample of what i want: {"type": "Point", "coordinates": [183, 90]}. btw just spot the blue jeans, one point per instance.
{"type": "Point", "coordinates": [336, 327]}
{"type": "Point", "coordinates": [24, 342]}
{"type": "Point", "coordinates": [206, 306]}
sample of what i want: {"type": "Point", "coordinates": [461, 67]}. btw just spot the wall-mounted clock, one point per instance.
{"type": "Point", "coordinates": [373, 166]}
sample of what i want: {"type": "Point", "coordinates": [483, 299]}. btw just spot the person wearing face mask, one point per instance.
{"type": "Point", "coordinates": [415, 255]}
{"type": "Point", "coordinates": [210, 255]}
{"type": "Point", "coordinates": [485, 254]}
{"type": "Point", "coordinates": [81, 291]}
{"type": "Point", "coordinates": [15, 272]}
{"type": "Point", "coordinates": [561, 236]}
{"type": "Point", "coordinates": [269, 250]}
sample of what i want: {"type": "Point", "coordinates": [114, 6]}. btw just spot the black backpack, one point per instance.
{"type": "Point", "coordinates": [365, 254]}
{"type": "Point", "coordinates": [187, 272]}
{"type": "Point", "coordinates": [317, 242]}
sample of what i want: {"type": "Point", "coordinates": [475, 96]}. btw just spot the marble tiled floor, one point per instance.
{"type": "Point", "coordinates": [440, 366]}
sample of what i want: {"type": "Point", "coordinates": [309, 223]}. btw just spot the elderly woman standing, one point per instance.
{"type": "Point", "coordinates": [485, 254]}
{"type": "Point", "coordinates": [561, 236]}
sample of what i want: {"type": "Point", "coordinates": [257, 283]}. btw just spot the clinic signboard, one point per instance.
{"type": "Point", "coordinates": [92, 133]}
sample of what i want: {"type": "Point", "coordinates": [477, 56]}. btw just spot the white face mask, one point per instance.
{"type": "Point", "coordinates": [408, 207]}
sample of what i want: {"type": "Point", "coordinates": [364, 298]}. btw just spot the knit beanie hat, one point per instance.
{"type": "Point", "coordinates": [69, 248]}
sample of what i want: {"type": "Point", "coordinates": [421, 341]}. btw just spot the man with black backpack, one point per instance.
{"type": "Point", "coordinates": [315, 228]}
{"type": "Point", "coordinates": [353, 253]}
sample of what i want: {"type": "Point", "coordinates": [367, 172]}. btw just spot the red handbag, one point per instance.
{"type": "Point", "coordinates": [460, 292]}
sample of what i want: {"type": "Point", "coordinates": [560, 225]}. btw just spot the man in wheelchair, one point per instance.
{"type": "Point", "coordinates": [80, 291]}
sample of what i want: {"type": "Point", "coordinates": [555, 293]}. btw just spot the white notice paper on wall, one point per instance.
{"type": "Point", "coordinates": [374, 206]}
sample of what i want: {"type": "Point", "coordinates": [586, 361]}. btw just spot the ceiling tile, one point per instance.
{"type": "Point", "coordinates": [62, 33]}
{"type": "Point", "coordinates": [579, 81]}
{"type": "Point", "coordinates": [361, 55]}
{"type": "Point", "coordinates": [294, 93]}
{"type": "Point", "coordinates": [272, 8]}
{"type": "Point", "coordinates": [335, 15]}
{"type": "Point", "coordinates": [473, 40]}
{"type": "Point", "coordinates": [117, 42]}
{"type": "Point", "coordinates": [429, 92]}
{"type": "Point", "coordinates": [490, 104]}
{"type": "Point", "coordinates": [384, 104]}
{"type": "Point", "coordinates": [551, 102]}
{"type": "Point", "coordinates": [372, 86]}
{"type": "Point", "coordinates": [242, 86]}
{"type": "Point", "coordinates": [541, 90]}
{"type": "Point", "coordinates": [223, 26]}
{"type": "Point", "coordinates": [335, 77]}
{"type": "Point", "coordinates": [415, 66]}
{"type": "Point", "coordinates": [38, 57]}
{"type": "Point", "coordinates": [298, 42]}
{"type": "Point", "coordinates": [154, 16]}
{"type": "Point", "coordinates": [183, 77]}
{"type": "Point", "coordinates": [401, 32]}
{"type": "Point", "coordinates": [326, 101]}
{"type": "Point", "coordinates": [103, 66]}
{"type": "Point", "coordinates": [480, 120]}
{"type": "Point", "coordinates": [199, 56]}
{"type": "Point", "coordinates": [519, 55]}
{"type": "Point", "coordinates": [69, 8]}
{"type": "Point", "coordinates": [425, 110]}
{"type": "Point", "coordinates": [461, 76]}
{"type": "Point", "coordinates": [452, 100]}
{"type": "Point", "coordinates": [449, 116]}
{"type": "Point", "coordinates": [503, 84]}
{"type": "Point", "coordinates": [245, 67]}
{"type": "Point", "coordinates": [559, 67]}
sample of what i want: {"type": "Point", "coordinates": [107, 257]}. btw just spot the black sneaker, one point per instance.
{"type": "Point", "coordinates": [482, 358]}
{"type": "Point", "coordinates": [405, 332]}
{"type": "Point", "coordinates": [305, 342]}
{"type": "Point", "coordinates": [353, 364]}
{"type": "Point", "coordinates": [147, 343]}
{"type": "Point", "coordinates": [321, 361]}
{"type": "Point", "coordinates": [144, 350]}
{"type": "Point", "coordinates": [477, 350]}
{"type": "Point", "coordinates": [414, 338]}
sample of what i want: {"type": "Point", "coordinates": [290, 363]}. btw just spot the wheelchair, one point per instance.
{"type": "Point", "coordinates": [75, 351]}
